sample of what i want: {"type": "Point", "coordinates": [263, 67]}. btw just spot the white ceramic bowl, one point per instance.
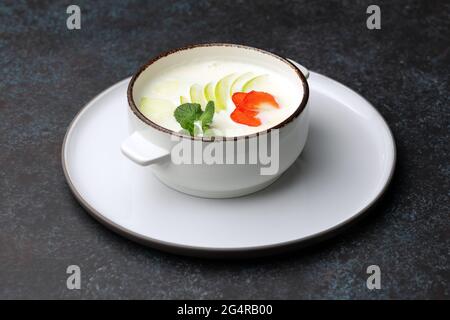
{"type": "Point", "coordinates": [150, 144]}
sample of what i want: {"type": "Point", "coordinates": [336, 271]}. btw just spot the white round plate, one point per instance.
{"type": "Point", "coordinates": [345, 167]}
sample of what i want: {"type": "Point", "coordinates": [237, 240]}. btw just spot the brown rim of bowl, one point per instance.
{"type": "Point", "coordinates": [144, 119]}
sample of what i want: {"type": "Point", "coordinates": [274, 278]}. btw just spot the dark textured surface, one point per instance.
{"type": "Point", "coordinates": [48, 73]}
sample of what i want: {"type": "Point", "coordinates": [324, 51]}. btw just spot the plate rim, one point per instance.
{"type": "Point", "coordinates": [210, 252]}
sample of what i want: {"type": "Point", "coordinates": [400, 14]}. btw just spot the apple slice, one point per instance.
{"type": "Point", "coordinates": [157, 110]}
{"type": "Point", "coordinates": [209, 92]}
{"type": "Point", "coordinates": [222, 91]}
{"type": "Point", "coordinates": [197, 96]}
{"type": "Point", "coordinates": [238, 84]}
{"type": "Point", "coordinates": [184, 99]}
{"type": "Point", "coordinates": [259, 83]}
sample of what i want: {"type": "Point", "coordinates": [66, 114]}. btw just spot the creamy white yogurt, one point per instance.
{"type": "Point", "coordinates": [176, 82]}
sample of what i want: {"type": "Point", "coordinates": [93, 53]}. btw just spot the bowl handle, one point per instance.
{"type": "Point", "coordinates": [138, 149]}
{"type": "Point", "coordinates": [302, 68]}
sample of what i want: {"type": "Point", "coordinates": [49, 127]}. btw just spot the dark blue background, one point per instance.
{"type": "Point", "coordinates": [48, 73]}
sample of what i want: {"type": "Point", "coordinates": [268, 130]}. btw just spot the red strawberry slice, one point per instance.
{"type": "Point", "coordinates": [256, 99]}
{"type": "Point", "coordinates": [243, 117]}
{"type": "Point", "coordinates": [248, 106]}
{"type": "Point", "coordinates": [238, 97]}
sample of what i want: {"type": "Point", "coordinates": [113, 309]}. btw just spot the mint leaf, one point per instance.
{"type": "Point", "coordinates": [207, 116]}
{"type": "Point", "coordinates": [188, 113]}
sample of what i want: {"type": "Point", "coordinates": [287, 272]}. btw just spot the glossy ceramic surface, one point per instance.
{"type": "Point", "coordinates": [345, 167]}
